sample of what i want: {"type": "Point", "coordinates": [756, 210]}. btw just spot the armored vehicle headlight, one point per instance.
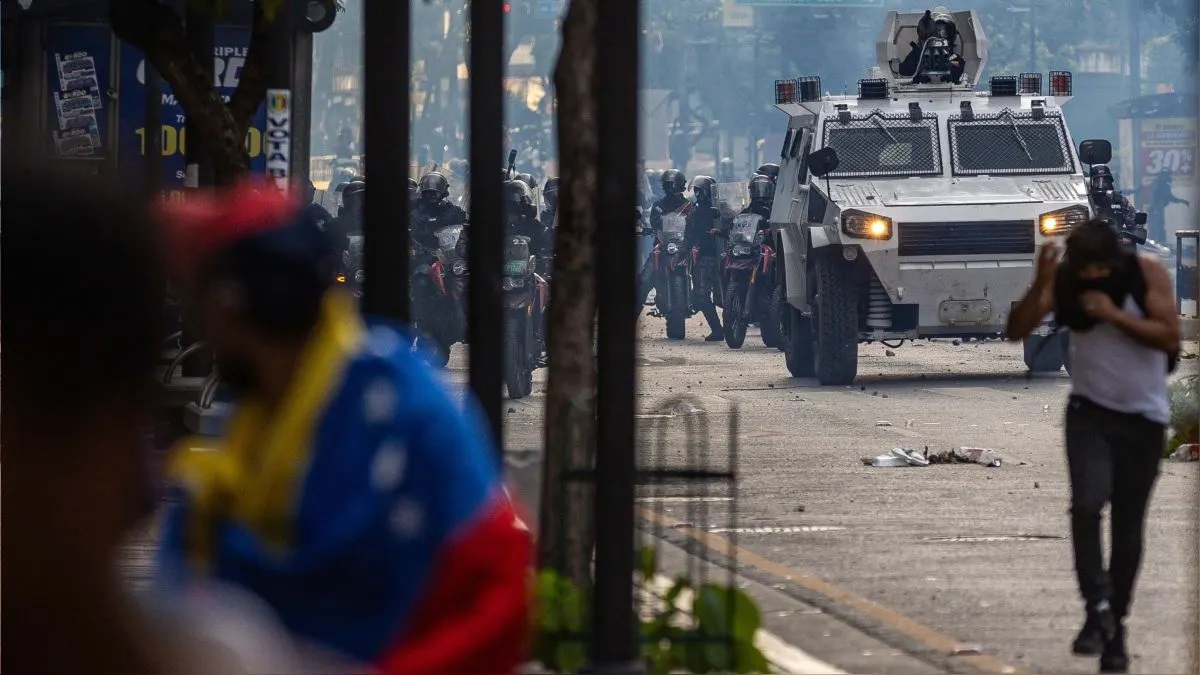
{"type": "Point", "coordinates": [865, 225]}
{"type": "Point", "coordinates": [1060, 222]}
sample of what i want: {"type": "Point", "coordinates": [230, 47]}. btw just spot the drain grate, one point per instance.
{"type": "Point", "coordinates": [997, 537]}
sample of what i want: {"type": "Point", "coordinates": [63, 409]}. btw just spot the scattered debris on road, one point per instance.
{"type": "Point", "coordinates": [982, 456]}
{"type": "Point", "coordinates": [1189, 452]}
{"type": "Point", "coordinates": [899, 457]}
{"type": "Point", "coordinates": [889, 353]}
{"type": "Point", "coordinates": [883, 423]}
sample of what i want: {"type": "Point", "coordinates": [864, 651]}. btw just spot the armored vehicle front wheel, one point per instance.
{"type": "Point", "coordinates": [836, 318]}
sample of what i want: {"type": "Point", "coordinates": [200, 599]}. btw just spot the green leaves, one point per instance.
{"type": "Point", "coordinates": [698, 630]}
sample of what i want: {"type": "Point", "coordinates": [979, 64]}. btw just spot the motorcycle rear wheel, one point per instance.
{"type": "Point", "coordinates": [518, 377]}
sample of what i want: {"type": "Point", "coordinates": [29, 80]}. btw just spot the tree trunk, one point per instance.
{"type": "Point", "coordinates": [565, 525]}
{"type": "Point", "coordinates": [158, 32]}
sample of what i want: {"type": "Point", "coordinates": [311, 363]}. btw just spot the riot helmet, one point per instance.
{"type": "Point", "coordinates": [770, 171]}
{"type": "Point", "coordinates": [414, 189]}
{"type": "Point", "coordinates": [762, 190]}
{"type": "Point", "coordinates": [1101, 179]}
{"type": "Point", "coordinates": [433, 188]}
{"type": "Point", "coordinates": [550, 192]}
{"type": "Point", "coordinates": [939, 24]}
{"type": "Point", "coordinates": [518, 200]}
{"type": "Point", "coordinates": [673, 182]}
{"type": "Point", "coordinates": [527, 179]}
{"type": "Point", "coordinates": [704, 189]}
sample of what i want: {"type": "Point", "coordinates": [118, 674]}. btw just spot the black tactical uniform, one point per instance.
{"type": "Point", "coordinates": [521, 222]}
{"type": "Point", "coordinates": [672, 184]}
{"type": "Point", "coordinates": [434, 210]}
{"type": "Point", "coordinates": [704, 228]}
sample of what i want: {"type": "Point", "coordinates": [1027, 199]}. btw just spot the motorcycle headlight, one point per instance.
{"type": "Point", "coordinates": [510, 283]}
{"type": "Point", "coordinates": [740, 250]}
{"type": "Point", "coordinates": [1060, 222]}
{"type": "Point", "coordinates": [672, 248]}
{"type": "Point", "coordinates": [863, 225]}
{"type": "Point", "coordinates": [458, 267]}
{"type": "Point", "coordinates": [341, 278]}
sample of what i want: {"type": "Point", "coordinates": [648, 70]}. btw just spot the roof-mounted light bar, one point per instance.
{"type": "Point", "coordinates": [1003, 85]}
{"type": "Point", "coordinates": [1030, 83]}
{"type": "Point", "coordinates": [876, 88]}
{"type": "Point", "coordinates": [1060, 83]}
{"type": "Point", "coordinates": [787, 91]}
{"type": "Point", "coordinates": [810, 88]}
{"type": "Point", "coordinates": [965, 111]}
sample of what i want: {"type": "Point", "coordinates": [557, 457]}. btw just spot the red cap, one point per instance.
{"type": "Point", "coordinates": [203, 224]}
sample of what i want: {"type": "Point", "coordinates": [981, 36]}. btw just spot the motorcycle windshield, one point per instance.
{"type": "Point", "coordinates": [674, 225]}
{"type": "Point", "coordinates": [447, 237]}
{"type": "Point", "coordinates": [516, 257]}
{"type": "Point", "coordinates": [744, 229]}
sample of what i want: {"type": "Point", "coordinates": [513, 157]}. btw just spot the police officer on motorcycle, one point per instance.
{"type": "Point", "coordinates": [522, 221]}
{"type": "Point", "coordinates": [670, 200]}
{"type": "Point", "coordinates": [434, 209]}
{"type": "Point", "coordinates": [705, 228]}
{"type": "Point", "coordinates": [1107, 201]}
{"type": "Point", "coordinates": [762, 196]}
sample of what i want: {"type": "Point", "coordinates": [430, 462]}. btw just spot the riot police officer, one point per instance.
{"type": "Point", "coordinates": [1106, 200]}
{"type": "Point", "coordinates": [318, 213]}
{"type": "Point", "coordinates": [671, 184]}
{"type": "Point", "coordinates": [434, 209]}
{"type": "Point", "coordinates": [414, 192]}
{"type": "Point", "coordinates": [521, 220]}
{"type": "Point", "coordinates": [550, 196]}
{"type": "Point", "coordinates": [704, 229]}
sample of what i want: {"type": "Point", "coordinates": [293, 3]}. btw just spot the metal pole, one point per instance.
{"type": "Point", "coordinates": [1135, 91]}
{"type": "Point", "coordinates": [302, 62]}
{"type": "Point", "coordinates": [615, 639]}
{"type": "Point", "coordinates": [486, 63]}
{"type": "Point", "coordinates": [199, 30]}
{"type": "Point", "coordinates": [281, 99]}
{"type": "Point", "coordinates": [152, 129]}
{"type": "Point", "coordinates": [386, 39]}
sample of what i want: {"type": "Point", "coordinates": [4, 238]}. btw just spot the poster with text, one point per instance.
{"type": "Point", "coordinates": [78, 72]}
{"type": "Point", "coordinates": [229, 55]}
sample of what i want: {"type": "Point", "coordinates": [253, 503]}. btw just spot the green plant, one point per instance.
{"type": "Point", "coordinates": [1185, 412]}
{"type": "Point", "coordinates": [704, 629]}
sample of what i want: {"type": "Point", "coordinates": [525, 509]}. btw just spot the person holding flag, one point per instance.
{"type": "Point", "coordinates": [349, 492]}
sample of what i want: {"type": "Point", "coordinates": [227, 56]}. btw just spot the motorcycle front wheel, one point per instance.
{"type": "Point", "coordinates": [518, 376]}
{"type": "Point", "coordinates": [735, 322]}
{"type": "Point", "coordinates": [677, 309]}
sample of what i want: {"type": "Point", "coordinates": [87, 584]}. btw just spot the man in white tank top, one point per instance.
{"type": "Point", "coordinates": [1121, 310]}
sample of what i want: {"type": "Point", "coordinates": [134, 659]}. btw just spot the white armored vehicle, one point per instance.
{"type": "Point", "coordinates": [915, 208]}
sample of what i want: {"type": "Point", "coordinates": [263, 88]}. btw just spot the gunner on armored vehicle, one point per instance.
{"type": "Point", "coordinates": [935, 56]}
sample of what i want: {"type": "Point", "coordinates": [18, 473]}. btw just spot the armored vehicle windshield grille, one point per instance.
{"type": "Point", "coordinates": [1009, 143]}
{"type": "Point", "coordinates": [976, 238]}
{"type": "Point", "coordinates": [878, 145]}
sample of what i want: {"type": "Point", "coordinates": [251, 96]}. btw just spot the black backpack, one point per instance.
{"type": "Point", "coordinates": [1127, 280]}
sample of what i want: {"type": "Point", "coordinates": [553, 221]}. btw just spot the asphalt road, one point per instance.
{"type": "Point", "coordinates": [945, 568]}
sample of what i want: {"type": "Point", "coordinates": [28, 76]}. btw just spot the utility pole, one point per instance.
{"type": "Point", "coordinates": [281, 104]}
{"type": "Point", "coordinates": [1135, 91]}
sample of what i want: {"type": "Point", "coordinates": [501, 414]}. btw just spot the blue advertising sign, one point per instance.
{"type": "Point", "coordinates": [79, 73]}
{"type": "Point", "coordinates": [230, 47]}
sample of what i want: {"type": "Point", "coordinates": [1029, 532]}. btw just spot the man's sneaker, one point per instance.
{"type": "Point", "coordinates": [1099, 628]}
{"type": "Point", "coordinates": [1114, 659]}
{"type": "Point", "coordinates": [715, 336]}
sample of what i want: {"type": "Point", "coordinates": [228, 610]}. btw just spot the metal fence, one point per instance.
{"type": "Point", "coordinates": [680, 485]}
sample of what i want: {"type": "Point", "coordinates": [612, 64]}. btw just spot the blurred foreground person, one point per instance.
{"type": "Point", "coordinates": [1120, 308]}
{"type": "Point", "coordinates": [350, 493]}
{"type": "Point", "coordinates": [82, 345]}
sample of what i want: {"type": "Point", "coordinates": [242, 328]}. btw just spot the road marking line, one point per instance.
{"type": "Point", "coordinates": [684, 499]}
{"type": "Point", "coordinates": [778, 530]}
{"type": "Point", "coordinates": [887, 616]}
{"type": "Point", "coordinates": [783, 656]}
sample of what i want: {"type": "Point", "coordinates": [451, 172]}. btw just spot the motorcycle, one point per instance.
{"type": "Point", "coordinates": [437, 325]}
{"type": "Point", "coordinates": [525, 296]}
{"type": "Point", "coordinates": [749, 275]}
{"type": "Point", "coordinates": [1134, 235]}
{"type": "Point", "coordinates": [673, 280]}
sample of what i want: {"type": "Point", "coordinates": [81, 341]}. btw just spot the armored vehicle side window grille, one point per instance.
{"type": "Point", "coordinates": [1009, 143]}
{"type": "Point", "coordinates": [795, 151]}
{"type": "Point", "coordinates": [802, 172]}
{"type": "Point", "coordinates": [787, 142]}
{"type": "Point", "coordinates": [876, 145]}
